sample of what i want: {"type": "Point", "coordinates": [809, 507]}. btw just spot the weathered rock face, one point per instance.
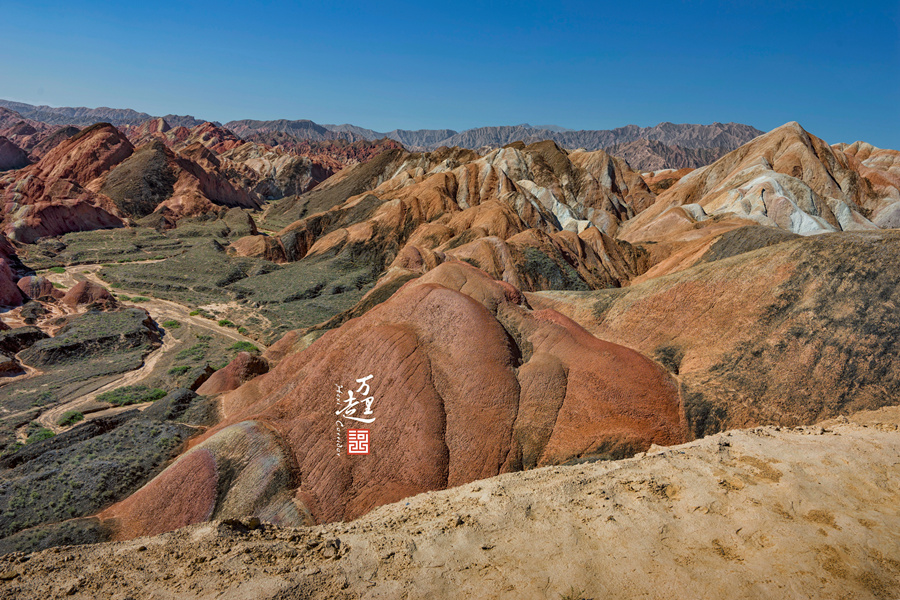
{"type": "Point", "coordinates": [269, 166]}
{"type": "Point", "coordinates": [11, 156]}
{"type": "Point", "coordinates": [157, 179]}
{"type": "Point", "coordinates": [9, 117]}
{"type": "Point", "coordinates": [20, 338]}
{"type": "Point", "coordinates": [243, 368]}
{"type": "Point", "coordinates": [652, 155]}
{"type": "Point", "coordinates": [87, 292]}
{"type": "Point", "coordinates": [85, 156]}
{"type": "Point", "coordinates": [22, 132]}
{"type": "Point", "coordinates": [764, 329]}
{"type": "Point", "coordinates": [331, 154]}
{"type": "Point", "coordinates": [881, 168]}
{"type": "Point", "coordinates": [217, 139]}
{"type": "Point", "coordinates": [786, 178]}
{"type": "Point", "coordinates": [661, 180]}
{"type": "Point", "coordinates": [148, 130]}
{"type": "Point", "coordinates": [52, 196]}
{"type": "Point", "coordinates": [51, 140]}
{"type": "Point", "coordinates": [532, 216]}
{"type": "Point", "coordinates": [39, 288]}
{"type": "Point", "coordinates": [467, 382]}
{"type": "Point", "coordinates": [274, 173]}
{"type": "Point", "coordinates": [10, 294]}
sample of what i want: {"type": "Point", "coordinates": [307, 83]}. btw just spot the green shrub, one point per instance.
{"type": "Point", "coordinates": [70, 417]}
{"type": "Point", "coordinates": [140, 299]}
{"type": "Point", "coordinates": [226, 323]}
{"type": "Point", "coordinates": [12, 449]}
{"type": "Point", "coordinates": [171, 324]}
{"type": "Point", "coordinates": [41, 434]}
{"type": "Point", "coordinates": [124, 298]}
{"type": "Point", "coordinates": [195, 352]}
{"type": "Point", "coordinates": [44, 398]}
{"type": "Point", "coordinates": [194, 313]}
{"type": "Point", "coordinates": [57, 269]}
{"type": "Point", "coordinates": [179, 370]}
{"type": "Point", "coordinates": [131, 394]}
{"type": "Point", "coordinates": [243, 347]}
{"type": "Point", "coordinates": [59, 286]}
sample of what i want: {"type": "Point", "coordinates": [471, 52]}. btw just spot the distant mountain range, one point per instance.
{"type": "Point", "coordinates": [667, 145]}
{"type": "Point", "coordinates": [727, 136]}
{"type": "Point", "coordinates": [80, 115]}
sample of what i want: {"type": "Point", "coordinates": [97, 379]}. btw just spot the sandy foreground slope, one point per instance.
{"type": "Point", "coordinates": [762, 513]}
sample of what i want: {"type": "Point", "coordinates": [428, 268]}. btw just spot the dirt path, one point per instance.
{"type": "Point", "coordinates": [51, 417]}
{"type": "Point", "coordinates": [161, 311]}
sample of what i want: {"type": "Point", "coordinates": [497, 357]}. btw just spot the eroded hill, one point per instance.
{"type": "Point", "coordinates": [527, 307]}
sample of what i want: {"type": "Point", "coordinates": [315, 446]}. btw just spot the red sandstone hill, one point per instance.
{"type": "Point", "coordinates": [468, 382]}
{"type": "Point", "coordinates": [533, 307]}
{"type": "Point", "coordinates": [50, 140]}
{"type": "Point", "coordinates": [271, 164]}
{"type": "Point", "coordinates": [51, 197]}
{"type": "Point", "coordinates": [766, 327]}
{"type": "Point", "coordinates": [216, 138]}
{"type": "Point", "coordinates": [95, 179]}
{"type": "Point", "coordinates": [341, 152]}
{"type": "Point", "coordinates": [20, 129]}
{"type": "Point", "coordinates": [34, 137]}
{"type": "Point", "coordinates": [263, 170]}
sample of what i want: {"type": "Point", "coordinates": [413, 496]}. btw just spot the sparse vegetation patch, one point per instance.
{"type": "Point", "coordinates": [70, 417]}
{"type": "Point", "coordinates": [131, 394]}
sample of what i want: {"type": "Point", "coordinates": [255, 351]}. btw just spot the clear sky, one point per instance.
{"type": "Point", "coordinates": [832, 66]}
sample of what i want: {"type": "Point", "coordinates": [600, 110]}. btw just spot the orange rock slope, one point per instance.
{"type": "Point", "coordinates": [535, 217]}
{"type": "Point", "coordinates": [467, 382]}
{"type": "Point", "coordinates": [763, 329]}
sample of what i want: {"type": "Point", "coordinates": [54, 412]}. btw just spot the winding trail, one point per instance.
{"type": "Point", "coordinates": [161, 311]}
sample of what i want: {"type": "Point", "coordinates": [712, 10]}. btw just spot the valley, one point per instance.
{"type": "Point", "coordinates": [553, 346]}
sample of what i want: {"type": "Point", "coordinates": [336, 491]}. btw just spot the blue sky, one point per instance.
{"type": "Point", "coordinates": [832, 66]}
